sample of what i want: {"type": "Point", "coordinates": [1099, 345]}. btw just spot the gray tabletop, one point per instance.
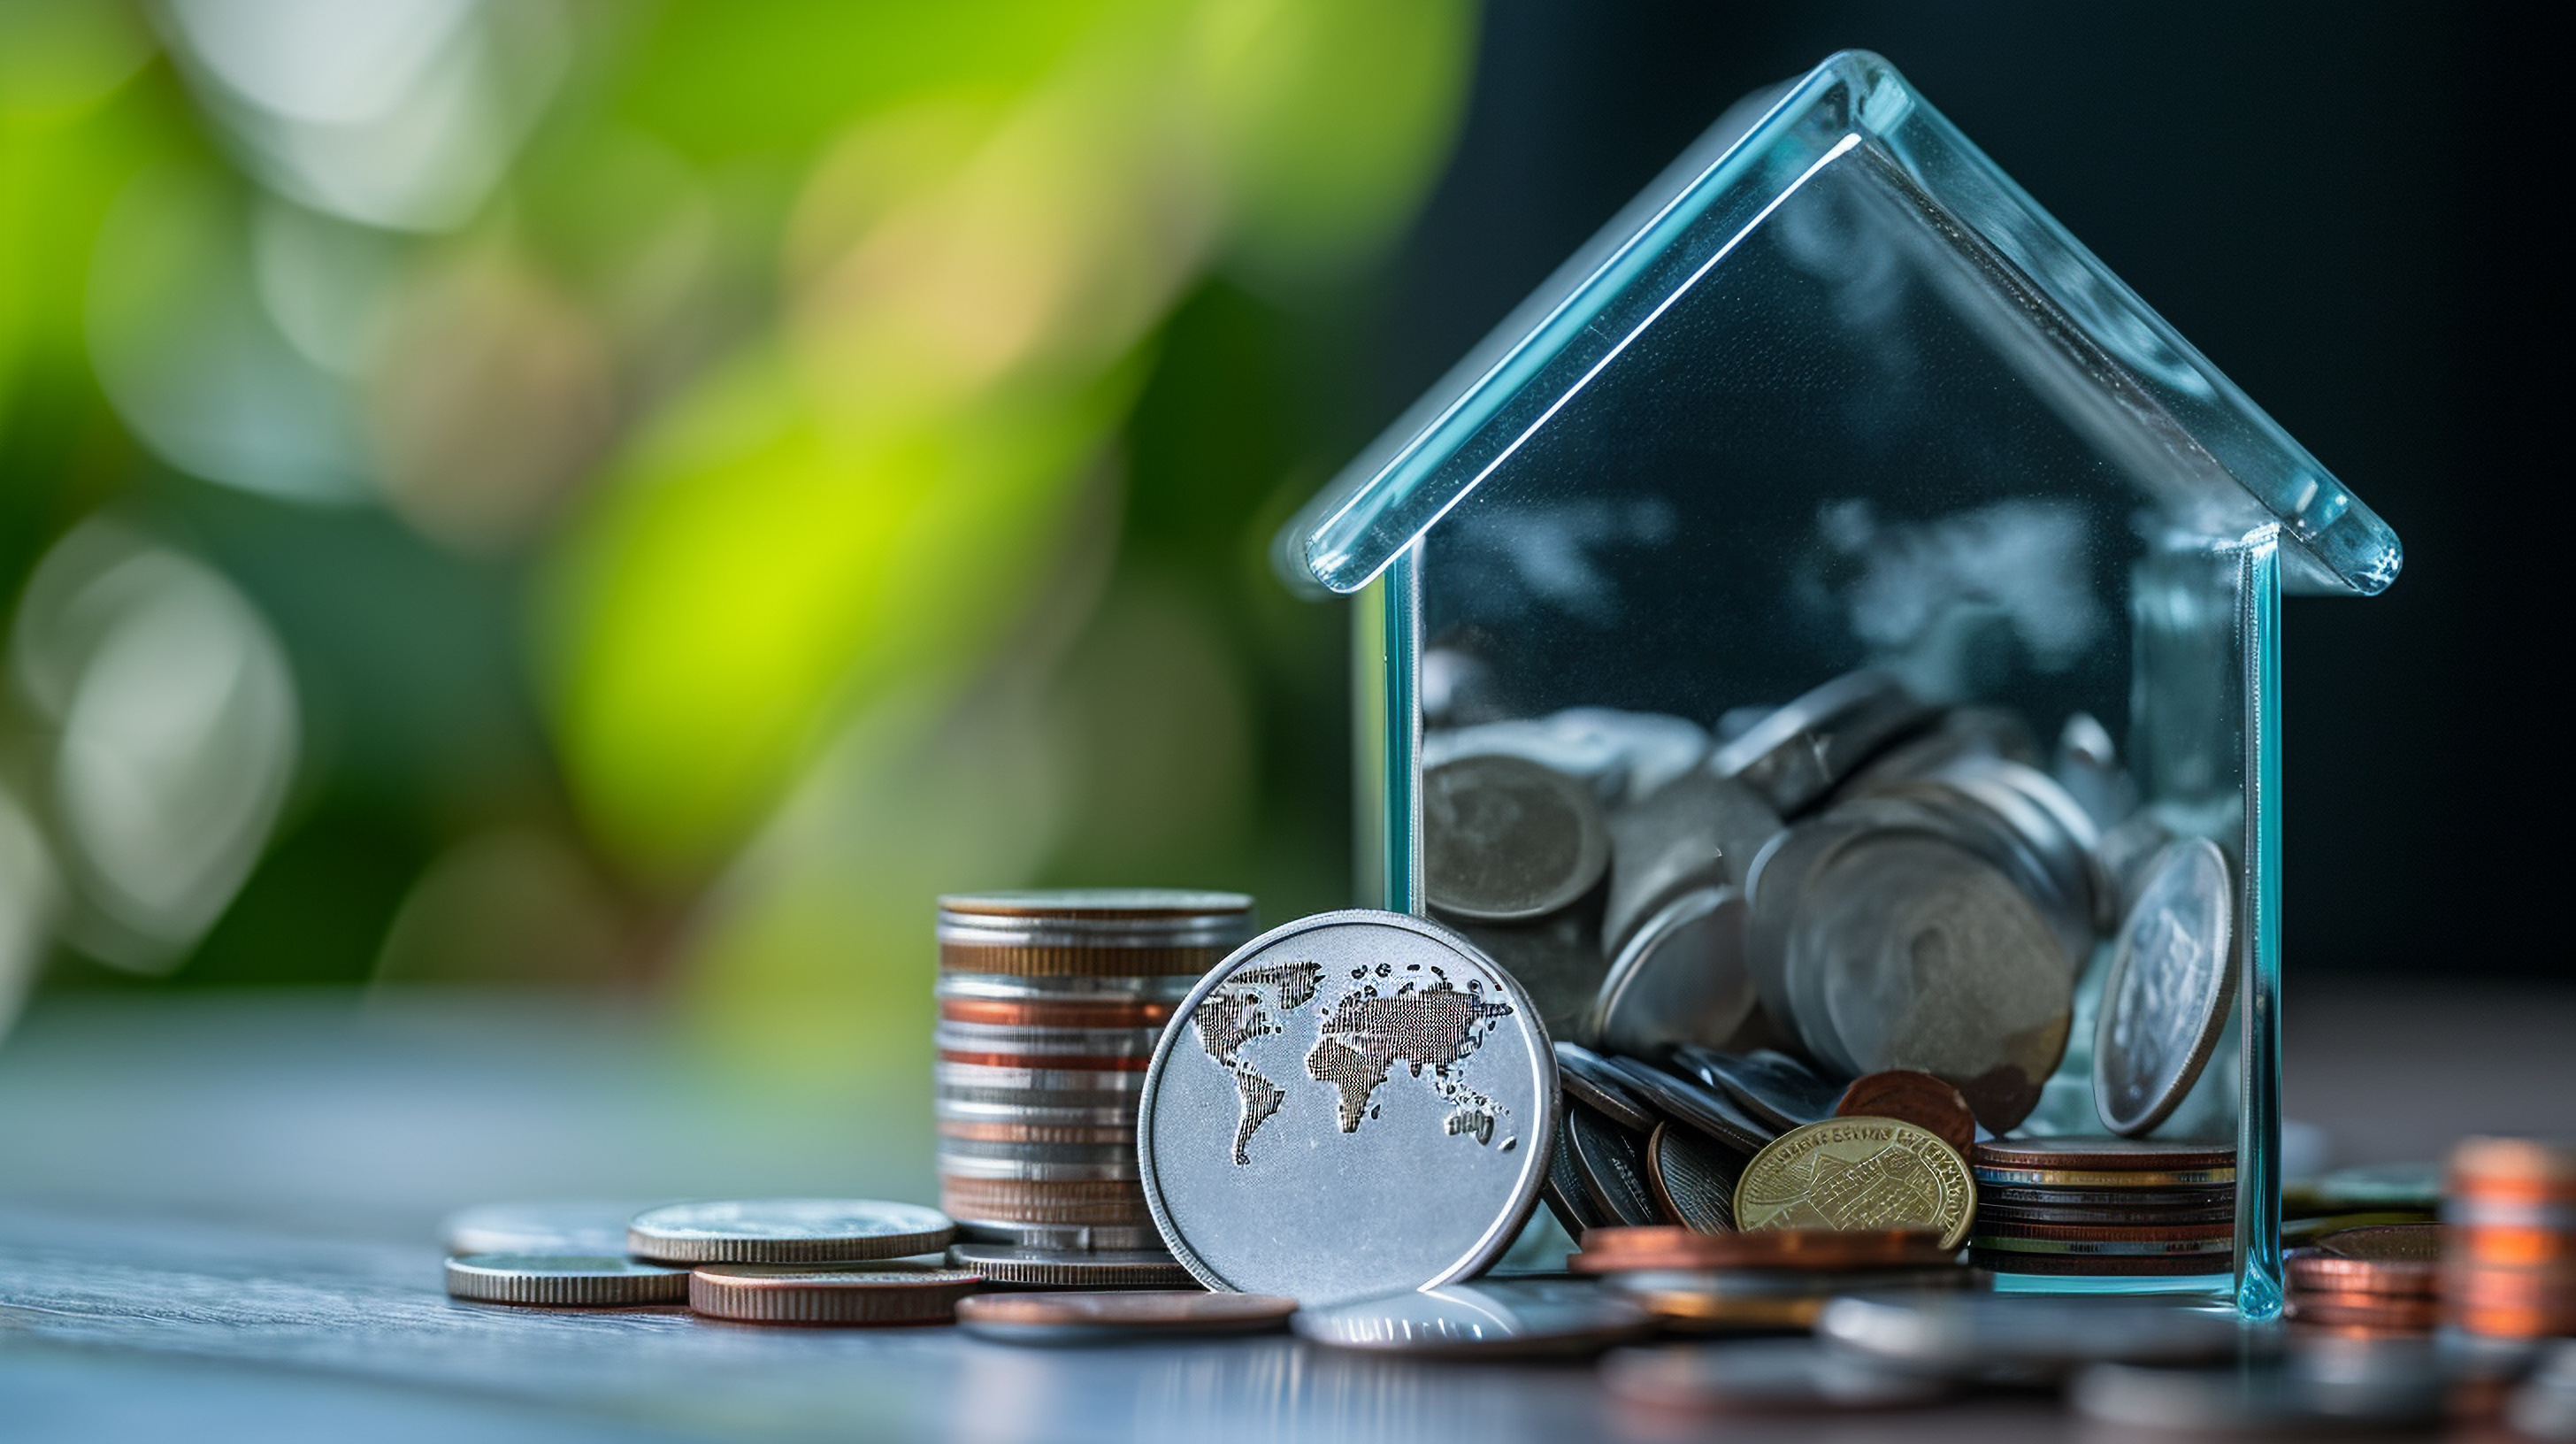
{"type": "Point", "coordinates": [217, 1215]}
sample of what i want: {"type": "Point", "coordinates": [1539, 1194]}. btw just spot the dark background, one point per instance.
{"type": "Point", "coordinates": [2340, 205]}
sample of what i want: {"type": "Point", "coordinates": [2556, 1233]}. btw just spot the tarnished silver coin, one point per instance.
{"type": "Point", "coordinates": [2172, 979]}
{"type": "Point", "coordinates": [1356, 1102]}
{"type": "Point", "coordinates": [1681, 979]}
{"type": "Point", "coordinates": [1910, 952]}
{"type": "Point", "coordinates": [1611, 1161]}
{"type": "Point", "coordinates": [1493, 1319]}
{"type": "Point", "coordinates": [1695, 1105]}
{"type": "Point", "coordinates": [1796, 755]}
{"type": "Point", "coordinates": [1507, 840]}
{"type": "Point", "coordinates": [570, 1226]}
{"type": "Point", "coordinates": [786, 1230]}
{"type": "Point", "coordinates": [1773, 1087]}
{"type": "Point", "coordinates": [1556, 960]}
{"type": "Point", "coordinates": [563, 1280]}
{"type": "Point", "coordinates": [1699, 830]}
{"type": "Point", "coordinates": [1590, 1081]}
{"type": "Point", "coordinates": [1969, 1334]}
{"type": "Point", "coordinates": [1762, 1376]}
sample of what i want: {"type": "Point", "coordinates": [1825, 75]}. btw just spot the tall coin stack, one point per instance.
{"type": "Point", "coordinates": [1050, 1004]}
{"type": "Point", "coordinates": [2509, 1258]}
{"type": "Point", "coordinates": [2104, 1206]}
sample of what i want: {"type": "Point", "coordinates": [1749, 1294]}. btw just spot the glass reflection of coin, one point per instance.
{"type": "Point", "coordinates": [1506, 840]}
{"type": "Point", "coordinates": [2172, 979]}
{"type": "Point", "coordinates": [1918, 954]}
{"type": "Point", "coordinates": [1858, 1173]}
{"type": "Point", "coordinates": [1493, 1319]}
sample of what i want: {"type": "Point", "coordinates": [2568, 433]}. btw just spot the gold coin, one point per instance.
{"type": "Point", "coordinates": [1858, 1173]}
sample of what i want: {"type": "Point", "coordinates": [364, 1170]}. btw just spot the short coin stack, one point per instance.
{"type": "Point", "coordinates": [2510, 1255]}
{"type": "Point", "coordinates": [1773, 1279]}
{"type": "Point", "coordinates": [2383, 1280]}
{"type": "Point", "coordinates": [1050, 1004]}
{"type": "Point", "coordinates": [2104, 1206]}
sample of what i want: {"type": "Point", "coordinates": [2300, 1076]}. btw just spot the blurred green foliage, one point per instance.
{"type": "Point", "coordinates": [716, 474]}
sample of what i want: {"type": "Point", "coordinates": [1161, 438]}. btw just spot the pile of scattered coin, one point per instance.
{"type": "Point", "coordinates": [1763, 1281]}
{"type": "Point", "coordinates": [2105, 1206]}
{"type": "Point", "coordinates": [1050, 1005]}
{"type": "Point", "coordinates": [2511, 1251]}
{"type": "Point", "coordinates": [2376, 1280]}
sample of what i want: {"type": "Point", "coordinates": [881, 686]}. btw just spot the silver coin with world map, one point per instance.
{"type": "Point", "coordinates": [1352, 1104]}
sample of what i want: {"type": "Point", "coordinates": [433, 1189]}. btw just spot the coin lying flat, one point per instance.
{"type": "Point", "coordinates": [1612, 1164]}
{"type": "Point", "coordinates": [786, 1230]}
{"type": "Point", "coordinates": [1075, 933]}
{"type": "Point", "coordinates": [1613, 1250]}
{"type": "Point", "coordinates": [577, 1226]}
{"type": "Point", "coordinates": [2172, 979]}
{"type": "Point", "coordinates": [1721, 1301]}
{"type": "Point", "coordinates": [563, 1280]}
{"type": "Point", "coordinates": [888, 1292]}
{"type": "Point", "coordinates": [1970, 1334]}
{"type": "Point", "coordinates": [1097, 1318]}
{"type": "Point", "coordinates": [2147, 1163]}
{"type": "Point", "coordinates": [1073, 1237]}
{"type": "Point", "coordinates": [1693, 1181]}
{"type": "Point", "coordinates": [1353, 1102]}
{"type": "Point", "coordinates": [1857, 1173]}
{"type": "Point", "coordinates": [1497, 1318]}
{"type": "Point", "coordinates": [1762, 1376]}
{"type": "Point", "coordinates": [1681, 979]}
{"type": "Point", "coordinates": [1589, 1080]}
{"type": "Point", "coordinates": [1911, 1097]}
{"type": "Point", "coordinates": [1507, 840]}
{"type": "Point", "coordinates": [1065, 1269]}
{"type": "Point", "coordinates": [1775, 1088]}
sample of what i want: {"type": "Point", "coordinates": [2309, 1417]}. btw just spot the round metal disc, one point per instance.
{"type": "Point", "coordinates": [1795, 755]}
{"type": "Point", "coordinates": [1700, 1107]}
{"type": "Point", "coordinates": [1563, 1191]}
{"type": "Point", "coordinates": [1492, 1319]}
{"type": "Point", "coordinates": [1773, 1087]}
{"type": "Point", "coordinates": [1692, 1179]}
{"type": "Point", "coordinates": [1091, 1318]}
{"type": "Point", "coordinates": [1612, 1164]}
{"type": "Point", "coordinates": [1506, 840]}
{"type": "Point", "coordinates": [2172, 978]}
{"type": "Point", "coordinates": [1351, 1102]}
{"type": "Point", "coordinates": [1762, 1376]}
{"type": "Point", "coordinates": [1681, 979]}
{"type": "Point", "coordinates": [1969, 1333]}
{"type": "Point", "coordinates": [1857, 1173]}
{"type": "Point", "coordinates": [1591, 1082]}
{"type": "Point", "coordinates": [581, 1226]}
{"type": "Point", "coordinates": [563, 1280]}
{"type": "Point", "coordinates": [862, 1293]}
{"type": "Point", "coordinates": [786, 1230]}
{"type": "Point", "coordinates": [1070, 1268]}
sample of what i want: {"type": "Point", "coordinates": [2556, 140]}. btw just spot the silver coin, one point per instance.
{"type": "Point", "coordinates": [1021, 1041]}
{"type": "Point", "coordinates": [954, 1164]}
{"type": "Point", "coordinates": [1121, 1152]}
{"type": "Point", "coordinates": [1654, 748]}
{"type": "Point", "coordinates": [1774, 1087]}
{"type": "Point", "coordinates": [2172, 979]}
{"type": "Point", "coordinates": [1700, 830]}
{"type": "Point", "coordinates": [1556, 960]}
{"type": "Point", "coordinates": [2087, 765]}
{"type": "Point", "coordinates": [1507, 840]}
{"type": "Point", "coordinates": [1062, 1237]}
{"type": "Point", "coordinates": [572, 1226]}
{"type": "Point", "coordinates": [1048, 1109]}
{"type": "Point", "coordinates": [1916, 953]}
{"type": "Point", "coordinates": [1096, 918]}
{"type": "Point", "coordinates": [1734, 1285]}
{"type": "Point", "coordinates": [1013, 988]}
{"type": "Point", "coordinates": [2003, 826]}
{"type": "Point", "coordinates": [1611, 1161]}
{"type": "Point", "coordinates": [1960, 733]}
{"type": "Point", "coordinates": [1588, 1079]}
{"type": "Point", "coordinates": [1681, 979]}
{"type": "Point", "coordinates": [1695, 1105]}
{"type": "Point", "coordinates": [983, 1080]}
{"type": "Point", "coordinates": [1762, 1376]}
{"type": "Point", "coordinates": [564, 1280]}
{"type": "Point", "coordinates": [1492, 1319]}
{"type": "Point", "coordinates": [1589, 757]}
{"type": "Point", "coordinates": [1070, 1268]}
{"type": "Point", "coordinates": [1357, 1100]}
{"type": "Point", "coordinates": [1969, 1334]}
{"type": "Point", "coordinates": [1796, 755]}
{"type": "Point", "coordinates": [786, 1230]}
{"type": "Point", "coordinates": [1563, 1190]}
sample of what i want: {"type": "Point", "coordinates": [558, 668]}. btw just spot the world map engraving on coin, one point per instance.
{"type": "Point", "coordinates": [1423, 1023]}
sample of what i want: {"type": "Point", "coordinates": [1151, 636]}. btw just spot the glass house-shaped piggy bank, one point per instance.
{"type": "Point", "coordinates": [1832, 629]}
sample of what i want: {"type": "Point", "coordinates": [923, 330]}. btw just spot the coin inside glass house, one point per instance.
{"type": "Point", "coordinates": [1350, 1104]}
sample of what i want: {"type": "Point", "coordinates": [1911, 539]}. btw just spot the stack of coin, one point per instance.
{"type": "Point", "coordinates": [1050, 1004]}
{"type": "Point", "coordinates": [2510, 1264]}
{"type": "Point", "coordinates": [2105, 1206]}
{"type": "Point", "coordinates": [1774, 1279]}
{"type": "Point", "coordinates": [2368, 1281]}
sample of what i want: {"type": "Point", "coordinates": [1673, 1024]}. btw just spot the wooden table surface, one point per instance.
{"type": "Point", "coordinates": [217, 1220]}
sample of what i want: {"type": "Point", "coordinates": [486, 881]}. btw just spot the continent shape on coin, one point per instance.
{"type": "Point", "coordinates": [2172, 978]}
{"type": "Point", "coordinates": [1858, 1173]}
{"type": "Point", "coordinates": [1353, 1103]}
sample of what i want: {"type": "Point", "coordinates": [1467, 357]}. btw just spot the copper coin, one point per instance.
{"type": "Point", "coordinates": [2507, 1322]}
{"type": "Point", "coordinates": [871, 1293]}
{"type": "Point", "coordinates": [2548, 1287]}
{"type": "Point", "coordinates": [2512, 1247]}
{"type": "Point", "coordinates": [2103, 1155]}
{"type": "Point", "coordinates": [1138, 905]}
{"type": "Point", "coordinates": [1080, 1318]}
{"type": "Point", "coordinates": [1609, 1250]}
{"type": "Point", "coordinates": [1036, 1132]}
{"type": "Point", "coordinates": [2312, 1268]}
{"type": "Point", "coordinates": [1989, 1211]}
{"type": "Point", "coordinates": [1988, 1230]}
{"type": "Point", "coordinates": [2365, 1310]}
{"type": "Point", "coordinates": [2387, 1243]}
{"type": "Point", "coordinates": [2222, 1196]}
{"type": "Point", "coordinates": [2519, 1168]}
{"type": "Point", "coordinates": [1055, 1013]}
{"type": "Point", "coordinates": [1917, 1098]}
{"type": "Point", "coordinates": [2100, 1265]}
